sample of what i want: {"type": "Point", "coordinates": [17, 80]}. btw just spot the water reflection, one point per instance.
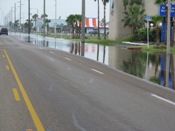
{"type": "Point", "coordinates": [158, 68]}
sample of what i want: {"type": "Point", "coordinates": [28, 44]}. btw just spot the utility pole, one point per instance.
{"type": "Point", "coordinates": [83, 28]}
{"type": "Point", "coordinates": [28, 20]}
{"type": "Point", "coordinates": [14, 17]}
{"type": "Point", "coordinates": [20, 16]}
{"type": "Point", "coordinates": [44, 17]}
{"type": "Point", "coordinates": [15, 12]}
{"type": "Point", "coordinates": [98, 19]}
{"type": "Point", "coordinates": [55, 18]}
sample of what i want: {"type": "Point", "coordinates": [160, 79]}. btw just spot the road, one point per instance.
{"type": "Point", "coordinates": [43, 89]}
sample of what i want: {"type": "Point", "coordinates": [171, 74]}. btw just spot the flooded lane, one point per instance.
{"type": "Point", "coordinates": [158, 68]}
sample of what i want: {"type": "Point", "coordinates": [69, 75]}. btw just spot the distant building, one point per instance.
{"type": "Point", "coordinates": [91, 24]}
{"type": "Point", "coordinates": [60, 23]}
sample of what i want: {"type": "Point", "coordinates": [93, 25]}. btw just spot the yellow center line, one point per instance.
{"type": "Point", "coordinates": [29, 105]}
{"type": "Point", "coordinates": [16, 95]}
{"type": "Point", "coordinates": [28, 129]}
{"type": "Point", "coordinates": [7, 67]}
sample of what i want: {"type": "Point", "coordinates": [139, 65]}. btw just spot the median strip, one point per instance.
{"type": "Point", "coordinates": [29, 105]}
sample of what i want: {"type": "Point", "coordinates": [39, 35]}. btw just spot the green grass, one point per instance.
{"type": "Point", "coordinates": [94, 40]}
{"type": "Point", "coordinates": [153, 49]}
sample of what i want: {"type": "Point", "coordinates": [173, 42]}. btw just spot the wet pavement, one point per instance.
{"type": "Point", "coordinates": [158, 68]}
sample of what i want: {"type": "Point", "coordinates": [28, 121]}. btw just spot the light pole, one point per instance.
{"type": "Point", "coordinates": [20, 15]}
{"type": "Point", "coordinates": [168, 28]}
{"type": "Point", "coordinates": [2, 16]}
{"type": "Point", "coordinates": [14, 11]}
{"type": "Point", "coordinates": [28, 20]}
{"type": "Point", "coordinates": [83, 28]}
{"type": "Point", "coordinates": [44, 12]}
{"type": "Point", "coordinates": [55, 18]}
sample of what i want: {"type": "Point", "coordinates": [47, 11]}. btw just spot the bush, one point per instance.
{"type": "Point", "coordinates": [152, 35]}
{"type": "Point", "coordinates": [141, 35]}
{"type": "Point", "coordinates": [131, 39]}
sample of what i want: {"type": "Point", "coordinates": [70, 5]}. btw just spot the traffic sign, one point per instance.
{"type": "Point", "coordinates": [147, 17]}
{"type": "Point", "coordinates": [162, 10]}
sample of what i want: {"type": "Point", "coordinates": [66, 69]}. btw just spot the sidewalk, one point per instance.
{"type": "Point", "coordinates": [133, 43]}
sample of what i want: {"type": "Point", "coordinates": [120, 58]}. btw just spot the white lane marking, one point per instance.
{"type": "Point", "coordinates": [161, 98]}
{"type": "Point", "coordinates": [67, 58]}
{"type": "Point", "coordinates": [40, 48]}
{"type": "Point", "coordinates": [97, 71]}
{"type": "Point", "coordinates": [50, 58]}
{"type": "Point", "coordinates": [77, 124]}
{"type": "Point", "coordinates": [51, 52]}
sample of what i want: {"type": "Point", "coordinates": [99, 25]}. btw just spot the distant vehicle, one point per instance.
{"type": "Point", "coordinates": [4, 31]}
{"type": "Point", "coordinates": [94, 32]}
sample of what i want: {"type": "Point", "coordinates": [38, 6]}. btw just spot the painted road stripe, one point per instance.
{"type": "Point", "coordinates": [50, 58]}
{"type": "Point", "coordinates": [161, 98]}
{"type": "Point", "coordinates": [67, 58]}
{"type": "Point", "coordinates": [29, 105]}
{"type": "Point", "coordinates": [28, 129]}
{"type": "Point", "coordinates": [7, 67]}
{"type": "Point", "coordinates": [16, 95]}
{"type": "Point", "coordinates": [51, 52]}
{"type": "Point", "coordinates": [97, 71]}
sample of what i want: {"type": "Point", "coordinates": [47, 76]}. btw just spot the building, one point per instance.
{"type": "Point", "coordinates": [116, 30]}
{"type": "Point", "coordinates": [91, 24]}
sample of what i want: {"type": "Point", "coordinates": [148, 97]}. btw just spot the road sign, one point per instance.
{"type": "Point", "coordinates": [147, 18]}
{"type": "Point", "coordinates": [162, 10]}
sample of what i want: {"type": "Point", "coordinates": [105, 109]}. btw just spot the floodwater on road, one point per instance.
{"type": "Point", "coordinates": [158, 68]}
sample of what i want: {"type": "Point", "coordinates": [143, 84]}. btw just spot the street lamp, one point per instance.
{"type": "Point", "coordinates": [2, 16]}
{"type": "Point", "coordinates": [55, 18]}
{"type": "Point", "coordinates": [168, 28]}
{"type": "Point", "coordinates": [28, 20]}
{"type": "Point", "coordinates": [44, 12]}
{"type": "Point", "coordinates": [83, 28]}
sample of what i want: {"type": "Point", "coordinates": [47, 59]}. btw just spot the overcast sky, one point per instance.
{"type": "Point", "coordinates": [64, 8]}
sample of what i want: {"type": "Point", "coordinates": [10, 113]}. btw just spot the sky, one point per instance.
{"type": "Point", "coordinates": [64, 8]}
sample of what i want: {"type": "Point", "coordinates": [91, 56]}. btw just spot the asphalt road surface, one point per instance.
{"type": "Point", "coordinates": [44, 89]}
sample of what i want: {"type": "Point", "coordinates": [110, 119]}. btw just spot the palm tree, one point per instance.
{"type": "Point", "coordinates": [16, 24]}
{"type": "Point", "coordinates": [47, 21]}
{"type": "Point", "coordinates": [104, 4]}
{"type": "Point", "coordinates": [98, 6]}
{"type": "Point", "coordinates": [125, 4]}
{"type": "Point", "coordinates": [78, 19]}
{"type": "Point", "coordinates": [44, 16]}
{"type": "Point", "coordinates": [156, 20]}
{"type": "Point", "coordinates": [134, 17]}
{"type": "Point", "coordinates": [71, 20]}
{"type": "Point", "coordinates": [35, 16]}
{"type": "Point", "coordinates": [138, 2]}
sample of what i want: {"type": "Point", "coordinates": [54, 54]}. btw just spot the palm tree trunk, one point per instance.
{"type": "Point", "coordinates": [35, 25]}
{"type": "Point", "coordinates": [157, 36]}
